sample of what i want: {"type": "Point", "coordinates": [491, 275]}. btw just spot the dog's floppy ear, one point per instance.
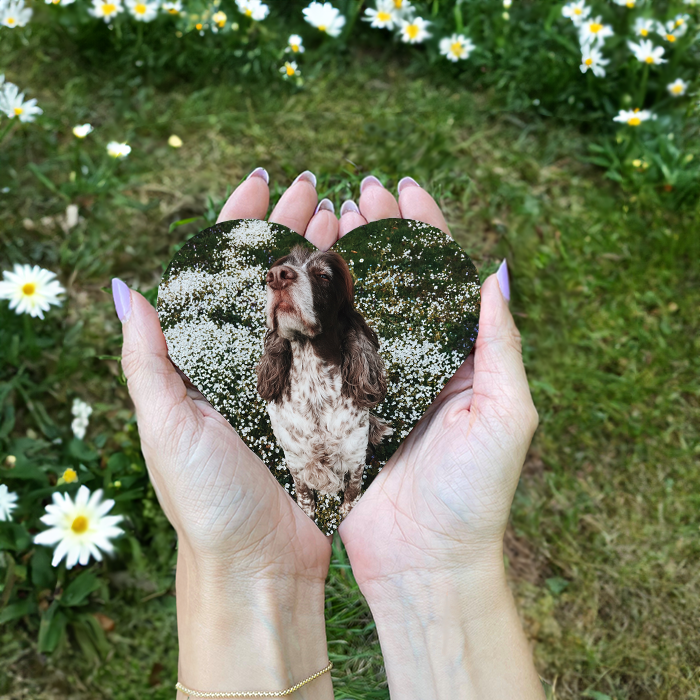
{"type": "Point", "coordinates": [363, 371]}
{"type": "Point", "coordinates": [274, 366]}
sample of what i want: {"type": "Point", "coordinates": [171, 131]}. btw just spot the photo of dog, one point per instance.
{"type": "Point", "coordinates": [320, 375]}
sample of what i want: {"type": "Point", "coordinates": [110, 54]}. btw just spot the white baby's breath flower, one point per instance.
{"type": "Point", "coordinates": [7, 502]}
{"type": "Point", "coordinates": [118, 150]}
{"type": "Point", "coordinates": [255, 9]}
{"type": "Point", "coordinates": [592, 57]}
{"type": "Point", "coordinates": [383, 16]}
{"type": "Point", "coordinates": [576, 11]}
{"type": "Point", "coordinates": [82, 130]}
{"type": "Point", "coordinates": [324, 17]}
{"type": "Point", "coordinates": [290, 69]}
{"type": "Point", "coordinates": [633, 117]}
{"type": "Point", "coordinates": [79, 529]}
{"type": "Point", "coordinates": [13, 104]}
{"type": "Point", "coordinates": [143, 10]}
{"type": "Point", "coordinates": [674, 29]}
{"type": "Point", "coordinates": [172, 8]}
{"type": "Point", "coordinates": [82, 412]}
{"type": "Point", "coordinates": [457, 47]}
{"type": "Point", "coordinates": [414, 31]}
{"type": "Point", "coordinates": [14, 14]}
{"type": "Point", "coordinates": [106, 9]}
{"type": "Point", "coordinates": [295, 44]}
{"type": "Point", "coordinates": [31, 290]}
{"type": "Point", "coordinates": [643, 26]}
{"type": "Point", "coordinates": [594, 32]}
{"type": "Point", "coordinates": [677, 87]}
{"type": "Point", "coordinates": [646, 52]}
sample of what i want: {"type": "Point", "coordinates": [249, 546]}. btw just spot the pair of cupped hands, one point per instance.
{"type": "Point", "coordinates": [442, 501]}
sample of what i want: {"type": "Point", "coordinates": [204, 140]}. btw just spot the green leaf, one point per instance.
{"type": "Point", "coordinates": [182, 222]}
{"type": "Point", "coordinates": [79, 589]}
{"type": "Point", "coordinates": [52, 628]}
{"type": "Point", "coordinates": [42, 573]}
{"type": "Point", "coordinates": [596, 695]}
{"type": "Point", "coordinates": [556, 584]}
{"type": "Point", "coordinates": [16, 610]}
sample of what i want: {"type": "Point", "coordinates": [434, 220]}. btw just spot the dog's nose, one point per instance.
{"type": "Point", "coordinates": [280, 277]}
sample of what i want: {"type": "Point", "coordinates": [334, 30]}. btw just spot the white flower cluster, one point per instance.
{"type": "Point", "coordinates": [13, 104]}
{"type": "Point", "coordinates": [13, 13]}
{"type": "Point", "coordinates": [593, 32]}
{"type": "Point", "coordinates": [82, 412]}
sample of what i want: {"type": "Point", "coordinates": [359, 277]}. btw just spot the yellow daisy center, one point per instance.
{"type": "Point", "coordinates": [173, 11]}
{"type": "Point", "coordinates": [589, 61]}
{"type": "Point", "coordinates": [10, 20]}
{"type": "Point", "coordinates": [249, 12]}
{"type": "Point", "coordinates": [679, 22]}
{"type": "Point", "coordinates": [294, 47]}
{"type": "Point", "coordinates": [412, 31]}
{"type": "Point", "coordinates": [595, 27]}
{"type": "Point", "coordinates": [30, 287]}
{"type": "Point", "coordinates": [644, 32]}
{"type": "Point", "coordinates": [108, 8]}
{"type": "Point", "coordinates": [649, 59]}
{"type": "Point", "coordinates": [18, 111]}
{"type": "Point", "coordinates": [637, 163]}
{"type": "Point", "coordinates": [322, 27]}
{"type": "Point", "coordinates": [290, 69]}
{"type": "Point", "coordinates": [70, 475]}
{"type": "Point", "coordinates": [80, 525]}
{"type": "Point", "coordinates": [140, 8]}
{"type": "Point", "coordinates": [578, 11]}
{"type": "Point", "coordinates": [383, 16]}
{"type": "Point", "coordinates": [630, 4]}
{"type": "Point", "coordinates": [398, 4]}
{"type": "Point", "coordinates": [677, 89]}
{"type": "Point", "coordinates": [634, 121]}
{"type": "Point", "coordinates": [671, 38]}
{"type": "Point", "coordinates": [456, 48]}
{"type": "Point", "coordinates": [198, 27]}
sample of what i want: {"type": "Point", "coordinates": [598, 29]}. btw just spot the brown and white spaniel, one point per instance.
{"type": "Point", "coordinates": [320, 374]}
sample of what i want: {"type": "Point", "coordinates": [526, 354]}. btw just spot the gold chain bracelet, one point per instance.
{"type": "Point", "coordinates": [251, 694]}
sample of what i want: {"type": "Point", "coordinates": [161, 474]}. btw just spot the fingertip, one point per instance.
{"type": "Point", "coordinates": [417, 204]}
{"type": "Point", "coordinates": [250, 200]}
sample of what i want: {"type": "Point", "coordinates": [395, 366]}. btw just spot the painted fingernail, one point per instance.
{"type": "Point", "coordinates": [349, 205]}
{"type": "Point", "coordinates": [503, 282]}
{"type": "Point", "coordinates": [370, 181]}
{"type": "Point", "coordinates": [122, 299]}
{"type": "Point", "coordinates": [308, 176]}
{"type": "Point", "coordinates": [406, 182]}
{"type": "Point", "coordinates": [325, 205]}
{"type": "Point", "coordinates": [260, 172]}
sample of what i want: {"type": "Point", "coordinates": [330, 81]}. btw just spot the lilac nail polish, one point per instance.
{"type": "Point", "coordinates": [370, 181]}
{"type": "Point", "coordinates": [307, 175]}
{"type": "Point", "coordinates": [406, 182]}
{"type": "Point", "coordinates": [349, 205]}
{"type": "Point", "coordinates": [325, 205]}
{"type": "Point", "coordinates": [122, 299]}
{"type": "Point", "coordinates": [503, 281]}
{"type": "Point", "coordinates": [260, 172]}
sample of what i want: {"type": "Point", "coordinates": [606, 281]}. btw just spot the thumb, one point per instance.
{"type": "Point", "coordinates": [501, 390]}
{"type": "Point", "coordinates": [152, 379]}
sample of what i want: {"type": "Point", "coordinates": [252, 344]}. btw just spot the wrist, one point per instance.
{"type": "Point", "coordinates": [243, 633]}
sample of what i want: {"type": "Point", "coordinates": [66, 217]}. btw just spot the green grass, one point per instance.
{"type": "Point", "coordinates": [604, 544]}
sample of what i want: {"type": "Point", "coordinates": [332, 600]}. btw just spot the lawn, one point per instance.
{"type": "Point", "coordinates": [604, 542]}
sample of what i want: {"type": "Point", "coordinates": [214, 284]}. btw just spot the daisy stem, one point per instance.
{"type": "Point", "coordinates": [353, 16]}
{"type": "Point", "coordinates": [139, 41]}
{"type": "Point", "coordinates": [6, 129]}
{"type": "Point", "coordinates": [643, 88]}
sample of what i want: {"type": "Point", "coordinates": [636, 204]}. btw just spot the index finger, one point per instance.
{"type": "Point", "coordinates": [249, 200]}
{"type": "Point", "coordinates": [415, 203]}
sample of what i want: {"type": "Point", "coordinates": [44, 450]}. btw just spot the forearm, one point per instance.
{"type": "Point", "coordinates": [453, 636]}
{"type": "Point", "coordinates": [237, 636]}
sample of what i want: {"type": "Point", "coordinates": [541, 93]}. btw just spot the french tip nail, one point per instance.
{"type": "Point", "coordinates": [349, 205]}
{"type": "Point", "coordinates": [325, 205]}
{"type": "Point", "coordinates": [406, 182]}
{"type": "Point", "coordinates": [503, 281]}
{"type": "Point", "coordinates": [260, 172]}
{"type": "Point", "coordinates": [121, 296]}
{"type": "Point", "coordinates": [307, 175]}
{"type": "Point", "coordinates": [370, 180]}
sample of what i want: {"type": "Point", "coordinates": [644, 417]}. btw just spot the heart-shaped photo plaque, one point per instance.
{"type": "Point", "coordinates": [322, 361]}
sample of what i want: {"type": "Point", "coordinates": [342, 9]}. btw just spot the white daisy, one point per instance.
{"type": "Point", "coordinates": [118, 150]}
{"type": "Point", "coordinates": [384, 16]}
{"type": "Point", "coordinates": [59, 2]}
{"type": "Point", "coordinates": [456, 47]}
{"type": "Point", "coordinates": [295, 44]}
{"type": "Point", "coordinates": [591, 57]}
{"type": "Point", "coordinates": [7, 502]}
{"type": "Point", "coordinates": [679, 20]}
{"type": "Point", "coordinates": [255, 9]}
{"type": "Point", "coordinates": [646, 52]}
{"type": "Point", "coordinates": [403, 9]}
{"type": "Point", "coordinates": [643, 26]}
{"type": "Point", "coordinates": [673, 29]}
{"type": "Point", "coordinates": [677, 87]}
{"type": "Point", "coordinates": [576, 11]}
{"type": "Point", "coordinates": [31, 290]}
{"type": "Point", "coordinates": [106, 9]}
{"type": "Point", "coordinates": [143, 10]}
{"type": "Point", "coordinates": [82, 130]}
{"type": "Point", "coordinates": [633, 117]}
{"type": "Point", "coordinates": [324, 17]}
{"type": "Point", "coordinates": [172, 8]}
{"type": "Point", "coordinates": [81, 528]}
{"type": "Point", "coordinates": [507, 4]}
{"type": "Point", "coordinates": [12, 102]}
{"type": "Point", "coordinates": [290, 69]}
{"type": "Point", "coordinates": [414, 31]}
{"type": "Point", "coordinates": [626, 3]}
{"type": "Point", "coordinates": [594, 32]}
{"type": "Point", "coordinates": [14, 14]}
